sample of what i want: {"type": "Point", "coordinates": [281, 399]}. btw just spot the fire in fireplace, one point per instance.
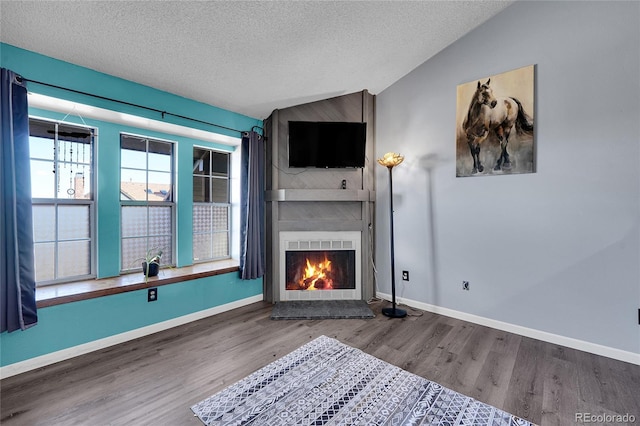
{"type": "Point", "coordinates": [320, 270]}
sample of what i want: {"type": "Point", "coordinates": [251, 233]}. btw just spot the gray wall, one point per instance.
{"type": "Point", "coordinates": [556, 250]}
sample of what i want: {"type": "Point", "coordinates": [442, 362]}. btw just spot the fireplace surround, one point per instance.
{"type": "Point", "coordinates": [320, 265]}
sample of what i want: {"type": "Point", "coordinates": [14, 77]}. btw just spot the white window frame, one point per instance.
{"type": "Point", "coordinates": [228, 205]}
{"type": "Point", "coordinates": [56, 202]}
{"type": "Point", "coordinates": [172, 204]}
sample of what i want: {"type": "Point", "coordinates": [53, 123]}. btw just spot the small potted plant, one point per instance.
{"type": "Point", "coordinates": [151, 262]}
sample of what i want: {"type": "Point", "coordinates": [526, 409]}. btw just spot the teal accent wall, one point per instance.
{"type": "Point", "coordinates": [64, 326]}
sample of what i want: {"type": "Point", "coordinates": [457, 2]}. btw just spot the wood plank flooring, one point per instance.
{"type": "Point", "coordinates": [155, 379]}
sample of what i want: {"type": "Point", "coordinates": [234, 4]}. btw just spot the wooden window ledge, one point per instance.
{"type": "Point", "coordinates": [59, 294]}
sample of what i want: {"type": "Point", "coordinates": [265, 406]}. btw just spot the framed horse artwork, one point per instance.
{"type": "Point", "coordinates": [495, 124]}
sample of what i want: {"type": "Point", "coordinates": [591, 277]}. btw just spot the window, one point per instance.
{"type": "Point", "coordinates": [211, 204]}
{"type": "Point", "coordinates": [146, 198]}
{"type": "Point", "coordinates": [62, 200]}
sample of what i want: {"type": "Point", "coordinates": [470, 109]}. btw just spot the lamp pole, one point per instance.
{"type": "Point", "coordinates": [391, 160]}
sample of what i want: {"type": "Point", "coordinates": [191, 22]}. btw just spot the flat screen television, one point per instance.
{"type": "Point", "coordinates": [327, 144]}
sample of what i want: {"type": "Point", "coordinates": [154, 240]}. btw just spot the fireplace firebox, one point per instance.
{"type": "Point", "coordinates": [320, 265]}
{"type": "Point", "coordinates": [320, 270]}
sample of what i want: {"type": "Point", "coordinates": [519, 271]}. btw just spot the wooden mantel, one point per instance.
{"type": "Point", "coordinates": [320, 195]}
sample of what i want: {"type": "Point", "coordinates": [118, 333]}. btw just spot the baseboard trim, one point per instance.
{"type": "Point", "coordinates": [64, 354]}
{"type": "Point", "coordinates": [557, 339]}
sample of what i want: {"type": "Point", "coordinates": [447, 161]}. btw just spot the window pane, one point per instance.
{"type": "Point", "coordinates": [159, 220]}
{"type": "Point", "coordinates": [201, 189]}
{"type": "Point", "coordinates": [133, 159]}
{"type": "Point", "coordinates": [220, 218]}
{"type": "Point", "coordinates": [201, 161]}
{"type": "Point", "coordinates": [165, 244]}
{"type": "Point", "coordinates": [202, 218]}
{"type": "Point", "coordinates": [42, 129]}
{"type": "Point", "coordinates": [43, 179]}
{"type": "Point", "coordinates": [220, 190]}
{"type": "Point", "coordinates": [72, 183]}
{"type": "Point", "coordinates": [202, 247]}
{"type": "Point", "coordinates": [160, 160]}
{"type": "Point", "coordinates": [44, 260]}
{"type": "Point", "coordinates": [161, 148]}
{"type": "Point", "coordinates": [44, 223]}
{"type": "Point", "coordinates": [73, 222]}
{"type": "Point", "coordinates": [74, 258]}
{"type": "Point", "coordinates": [134, 221]}
{"type": "Point", "coordinates": [132, 250]}
{"type": "Point", "coordinates": [159, 187]}
{"type": "Point", "coordinates": [133, 185]}
{"type": "Point", "coordinates": [220, 164]}
{"type": "Point", "coordinates": [220, 245]}
{"type": "Point", "coordinates": [133, 152]}
{"type": "Point", "coordinates": [41, 147]}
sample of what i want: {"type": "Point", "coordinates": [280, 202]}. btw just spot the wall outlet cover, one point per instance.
{"type": "Point", "coordinates": [152, 294]}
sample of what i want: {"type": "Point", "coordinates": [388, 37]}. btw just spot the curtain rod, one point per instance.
{"type": "Point", "coordinates": [140, 106]}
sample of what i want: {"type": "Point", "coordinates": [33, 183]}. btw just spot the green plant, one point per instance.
{"type": "Point", "coordinates": [152, 257]}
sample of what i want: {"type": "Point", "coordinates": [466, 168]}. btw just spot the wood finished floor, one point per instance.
{"type": "Point", "coordinates": [155, 379]}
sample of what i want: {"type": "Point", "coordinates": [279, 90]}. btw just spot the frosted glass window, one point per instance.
{"type": "Point", "coordinates": [45, 259]}
{"type": "Point", "coordinates": [62, 200]}
{"type": "Point", "coordinates": [62, 239]}
{"type": "Point", "coordinates": [211, 205]}
{"type": "Point", "coordinates": [73, 222]}
{"type": "Point", "coordinates": [74, 258]}
{"type": "Point", "coordinates": [202, 249]}
{"type": "Point", "coordinates": [220, 217]}
{"type": "Point", "coordinates": [134, 221]}
{"type": "Point", "coordinates": [220, 245]}
{"type": "Point", "coordinates": [159, 220]}
{"type": "Point", "coordinates": [44, 222]}
{"type": "Point", "coordinates": [202, 215]}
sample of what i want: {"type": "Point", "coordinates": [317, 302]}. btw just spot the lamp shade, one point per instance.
{"type": "Point", "coordinates": [390, 159]}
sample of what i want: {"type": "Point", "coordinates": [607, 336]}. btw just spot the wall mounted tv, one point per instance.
{"type": "Point", "coordinates": [327, 144]}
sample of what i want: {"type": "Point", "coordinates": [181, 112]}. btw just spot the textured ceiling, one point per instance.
{"type": "Point", "coordinates": [247, 57]}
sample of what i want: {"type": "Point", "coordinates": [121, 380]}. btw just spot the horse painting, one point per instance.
{"type": "Point", "coordinates": [488, 115]}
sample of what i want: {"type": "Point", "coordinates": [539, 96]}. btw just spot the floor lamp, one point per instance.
{"type": "Point", "coordinates": [390, 160]}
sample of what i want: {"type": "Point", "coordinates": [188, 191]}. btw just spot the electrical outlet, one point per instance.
{"type": "Point", "coordinates": [152, 294]}
{"type": "Point", "coordinates": [405, 275]}
{"type": "Point", "coordinates": [465, 285]}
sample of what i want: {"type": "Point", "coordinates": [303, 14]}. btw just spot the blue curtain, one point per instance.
{"type": "Point", "coordinates": [252, 207]}
{"type": "Point", "coordinates": [17, 272]}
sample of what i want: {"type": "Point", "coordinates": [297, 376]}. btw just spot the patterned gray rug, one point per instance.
{"type": "Point", "coordinates": [326, 382]}
{"type": "Point", "coordinates": [321, 309]}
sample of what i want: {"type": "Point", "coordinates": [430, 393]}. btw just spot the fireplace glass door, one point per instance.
{"type": "Point", "coordinates": [320, 270]}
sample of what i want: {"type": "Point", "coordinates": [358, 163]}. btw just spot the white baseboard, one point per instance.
{"type": "Point", "coordinates": [570, 342]}
{"type": "Point", "coordinates": [64, 354]}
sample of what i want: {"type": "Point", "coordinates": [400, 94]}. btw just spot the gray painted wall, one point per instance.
{"type": "Point", "coordinates": [557, 250]}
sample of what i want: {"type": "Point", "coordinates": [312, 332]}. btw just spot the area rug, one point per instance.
{"type": "Point", "coordinates": [321, 309]}
{"type": "Point", "coordinates": [326, 382]}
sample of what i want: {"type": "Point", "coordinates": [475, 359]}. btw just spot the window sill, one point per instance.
{"type": "Point", "coordinates": [59, 294]}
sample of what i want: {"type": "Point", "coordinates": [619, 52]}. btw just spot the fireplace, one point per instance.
{"type": "Point", "coordinates": [320, 265]}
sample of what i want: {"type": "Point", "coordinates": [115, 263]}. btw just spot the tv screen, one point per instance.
{"type": "Point", "coordinates": [327, 144]}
